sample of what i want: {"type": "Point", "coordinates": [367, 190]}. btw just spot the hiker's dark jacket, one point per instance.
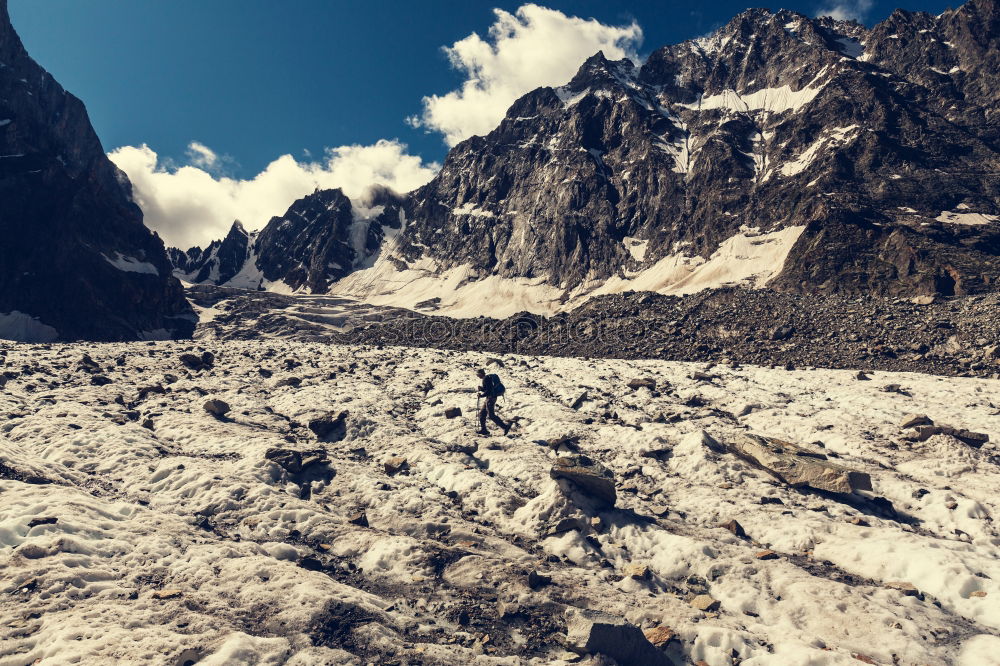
{"type": "Point", "coordinates": [487, 387]}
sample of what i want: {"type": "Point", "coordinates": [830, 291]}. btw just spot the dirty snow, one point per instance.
{"type": "Point", "coordinates": [462, 291]}
{"type": "Point", "coordinates": [850, 47]}
{"type": "Point", "coordinates": [636, 247]}
{"type": "Point", "coordinates": [747, 258]}
{"type": "Point", "coordinates": [835, 136]}
{"type": "Point", "coordinates": [183, 543]}
{"type": "Point", "coordinates": [472, 210]}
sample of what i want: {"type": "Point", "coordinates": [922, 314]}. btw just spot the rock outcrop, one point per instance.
{"type": "Point", "coordinates": [594, 632]}
{"type": "Point", "coordinates": [587, 475]}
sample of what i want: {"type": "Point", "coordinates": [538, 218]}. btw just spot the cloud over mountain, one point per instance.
{"type": "Point", "coordinates": [845, 10]}
{"type": "Point", "coordinates": [191, 205]}
{"type": "Point", "coordinates": [196, 202]}
{"type": "Point", "coordinates": [533, 47]}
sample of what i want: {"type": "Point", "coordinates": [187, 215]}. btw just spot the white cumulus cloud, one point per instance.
{"type": "Point", "coordinates": [533, 47]}
{"type": "Point", "coordinates": [189, 205]}
{"type": "Point", "coordinates": [845, 10]}
{"type": "Point", "coordinates": [202, 156]}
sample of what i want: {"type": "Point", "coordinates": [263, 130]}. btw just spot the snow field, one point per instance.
{"type": "Point", "coordinates": [185, 543]}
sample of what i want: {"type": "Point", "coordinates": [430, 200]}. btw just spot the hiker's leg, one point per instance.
{"type": "Point", "coordinates": [482, 416]}
{"type": "Point", "coordinates": [491, 404]}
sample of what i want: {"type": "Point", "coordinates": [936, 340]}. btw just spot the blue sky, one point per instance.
{"type": "Point", "coordinates": [256, 79]}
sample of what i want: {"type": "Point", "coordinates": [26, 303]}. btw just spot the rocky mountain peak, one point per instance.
{"type": "Point", "coordinates": [324, 237]}
{"type": "Point", "coordinates": [597, 72]}
{"type": "Point", "coordinates": [218, 263]}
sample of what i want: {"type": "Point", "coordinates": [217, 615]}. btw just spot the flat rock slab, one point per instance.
{"type": "Point", "coordinates": [293, 461]}
{"type": "Point", "coordinates": [593, 632]}
{"type": "Point", "coordinates": [704, 602]}
{"type": "Point", "coordinates": [642, 382]}
{"type": "Point", "coordinates": [797, 466]}
{"type": "Point", "coordinates": [914, 420]}
{"type": "Point", "coordinates": [590, 476]}
{"type": "Point", "coordinates": [660, 636]}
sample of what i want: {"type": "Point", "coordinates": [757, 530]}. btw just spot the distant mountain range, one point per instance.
{"type": "Point", "coordinates": [75, 259]}
{"type": "Point", "coordinates": [801, 154]}
{"type": "Point", "coordinates": [797, 154]}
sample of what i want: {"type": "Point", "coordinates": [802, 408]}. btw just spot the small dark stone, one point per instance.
{"type": "Point", "coordinates": [217, 408]}
{"type": "Point", "coordinates": [537, 580]}
{"type": "Point", "coordinates": [735, 528]}
{"type": "Point", "coordinates": [49, 520]}
{"type": "Point", "coordinates": [330, 428]}
{"type": "Point", "coordinates": [360, 519]}
{"type": "Point", "coordinates": [311, 564]}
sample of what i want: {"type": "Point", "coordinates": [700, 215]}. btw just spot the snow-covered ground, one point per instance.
{"type": "Point", "coordinates": [135, 527]}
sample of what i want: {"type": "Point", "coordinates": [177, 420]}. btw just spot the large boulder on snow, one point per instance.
{"type": "Point", "coordinates": [589, 476]}
{"type": "Point", "coordinates": [594, 632]}
{"type": "Point", "coordinates": [797, 466]}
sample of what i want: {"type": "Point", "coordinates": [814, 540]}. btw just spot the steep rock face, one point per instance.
{"type": "Point", "coordinates": [955, 56]}
{"type": "Point", "coordinates": [216, 264]}
{"type": "Point", "coordinates": [75, 260]}
{"type": "Point", "coordinates": [308, 246]}
{"type": "Point", "coordinates": [775, 121]}
{"type": "Point", "coordinates": [323, 237]}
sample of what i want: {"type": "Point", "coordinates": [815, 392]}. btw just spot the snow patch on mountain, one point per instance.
{"type": "Point", "coordinates": [830, 138]}
{"type": "Point", "coordinates": [23, 327]}
{"type": "Point", "coordinates": [770, 100]}
{"type": "Point", "coordinates": [249, 275]}
{"type": "Point", "coordinates": [965, 217]}
{"type": "Point", "coordinates": [636, 247]}
{"type": "Point", "coordinates": [130, 264]}
{"type": "Point", "coordinates": [457, 292]}
{"type": "Point", "coordinates": [747, 258]}
{"type": "Point", "coordinates": [471, 209]}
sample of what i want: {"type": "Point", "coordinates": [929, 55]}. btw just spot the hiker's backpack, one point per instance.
{"type": "Point", "coordinates": [494, 387]}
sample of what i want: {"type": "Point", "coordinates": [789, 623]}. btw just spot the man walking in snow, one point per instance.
{"type": "Point", "coordinates": [490, 389]}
